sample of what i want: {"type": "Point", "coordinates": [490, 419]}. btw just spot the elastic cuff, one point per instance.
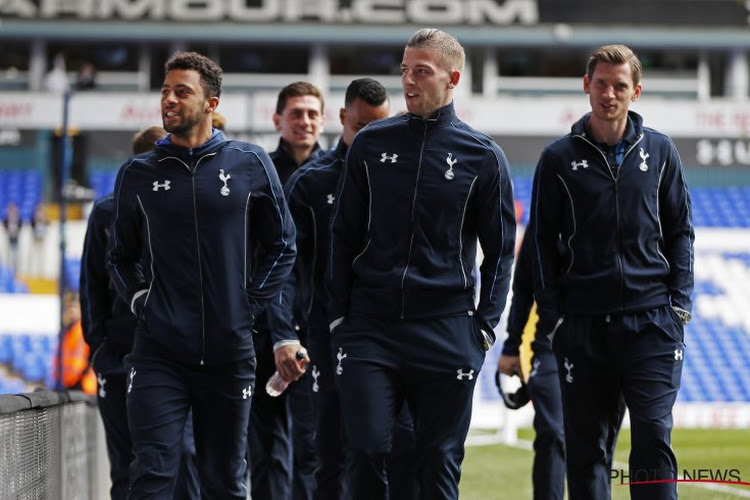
{"type": "Point", "coordinates": [282, 343]}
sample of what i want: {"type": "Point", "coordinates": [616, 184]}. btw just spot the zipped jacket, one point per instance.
{"type": "Point", "coordinates": [108, 325]}
{"type": "Point", "coordinates": [611, 240]}
{"type": "Point", "coordinates": [310, 193]}
{"type": "Point", "coordinates": [414, 197]}
{"type": "Point", "coordinates": [216, 239]}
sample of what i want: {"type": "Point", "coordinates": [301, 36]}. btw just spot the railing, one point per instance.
{"type": "Point", "coordinates": [52, 447]}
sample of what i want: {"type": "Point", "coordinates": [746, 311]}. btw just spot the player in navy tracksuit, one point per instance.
{"type": "Point", "coordinates": [416, 193]}
{"type": "Point", "coordinates": [614, 244]}
{"type": "Point", "coordinates": [201, 240]}
{"type": "Point", "coordinates": [282, 430]}
{"type": "Point", "coordinates": [310, 194]}
{"type": "Point", "coordinates": [108, 328]}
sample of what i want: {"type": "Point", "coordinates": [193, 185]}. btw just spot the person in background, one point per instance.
{"type": "Point", "coordinates": [86, 79]}
{"type": "Point", "coordinates": [39, 225]}
{"type": "Point", "coordinates": [309, 192]}
{"type": "Point", "coordinates": [13, 224]}
{"type": "Point", "coordinates": [109, 329]}
{"type": "Point", "coordinates": [201, 241]}
{"type": "Point", "coordinates": [417, 191]}
{"type": "Point", "coordinates": [282, 430]}
{"type": "Point", "coordinates": [613, 242]}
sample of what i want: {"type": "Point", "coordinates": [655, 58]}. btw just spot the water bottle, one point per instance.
{"type": "Point", "coordinates": [276, 383]}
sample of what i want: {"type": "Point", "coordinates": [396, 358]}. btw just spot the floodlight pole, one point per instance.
{"type": "Point", "coordinates": [63, 287]}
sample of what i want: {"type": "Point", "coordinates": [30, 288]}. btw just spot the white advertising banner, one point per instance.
{"type": "Point", "coordinates": [539, 116]}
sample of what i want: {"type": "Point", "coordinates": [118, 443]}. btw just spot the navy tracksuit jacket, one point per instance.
{"type": "Point", "coordinates": [202, 240]}
{"type": "Point", "coordinates": [614, 275]}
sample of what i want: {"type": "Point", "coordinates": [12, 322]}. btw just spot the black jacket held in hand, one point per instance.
{"type": "Point", "coordinates": [216, 239]}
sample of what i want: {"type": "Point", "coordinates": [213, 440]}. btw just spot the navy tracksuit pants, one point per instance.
{"type": "Point", "coordinates": [329, 434]}
{"type": "Point", "coordinates": [433, 365]}
{"type": "Point", "coordinates": [548, 472]}
{"type": "Point", "coordinates": [111, 400]}
{"type": "Point", "coordinates": [160, 395]}
{"type": "Point", "coordinates": [270, 431]}
{"type": "Point", "coordinates": [602, 359]}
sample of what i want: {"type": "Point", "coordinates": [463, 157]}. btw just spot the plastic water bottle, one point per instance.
{"type": "Point", "coordinates": [276, 385]}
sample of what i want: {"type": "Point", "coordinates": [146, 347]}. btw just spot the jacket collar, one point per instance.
{"type": "Point", "coordinates": [444, 115]}
{"type": "Point", "coordinates": [633, 130]}
{"type": "Point", "coordinates": [167, 147]}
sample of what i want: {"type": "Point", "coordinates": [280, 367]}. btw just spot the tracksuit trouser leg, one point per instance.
{"type": "Point", "coordinates": [270, 431]}
{"type": "Point", "coordinates": [114, 414]}
{"type": "Point", "coordinates": [601, 360]}
{"type": "Point", "coordinates": [548, 471]}
{"type": "Point", "coordinates": [160, 394]}
{"type": "Point", "coordinates": [433, 365]}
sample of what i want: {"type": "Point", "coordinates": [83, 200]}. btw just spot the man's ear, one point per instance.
{"type": "Point", "coordinates": [342, 115]}
{"type": "Point", "coordinates": [455, 77]}
{"type": "Point", "coordinates": [277, 122]}
{"type": "Point", "coordinates": [213, 103]}
{"type": "Point", "coordinates": [586, 83]}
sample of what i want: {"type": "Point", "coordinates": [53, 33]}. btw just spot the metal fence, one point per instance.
{"type": "Point", "coordinates": [51, 447]}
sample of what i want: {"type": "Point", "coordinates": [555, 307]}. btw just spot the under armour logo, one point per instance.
{"type": "Point", "coordinates": [384, 157]}
{"type": "Point", "coordinates": [582, 164]}
{"type": "Point", "coordinates": [568, 367]}
{"type": "Point", "coordinates": [247, 391]}
{"type": "Point", "coordinates": [678, 354]}
{"type": "Point", "coordinates": [330, 199]}
{"type": "Point", "coordinates": [450, 161]}
{"type": "Point", "coordinates": [164, 185]}
{"type": "Point", "coordinates": [315, 374]}
{"type": "Point", "coordinates": [101, 381]}
{"type": "Point", "coordinates": [644, 156]}
{"type": "Point", "coordinates": [132, 376]}
{"type": "Point", "coordinates": [461, 375]}
{"type": "Point", "coordinates": [340, 356]}
{"type": "Point", "coordinates": [224, 178]}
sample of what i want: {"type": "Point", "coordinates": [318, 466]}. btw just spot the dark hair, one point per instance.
{"type": "Point", "coordinates": [297, 89]}
{"type": "Point", "coordinates": [615, 54]}
{"type": "Point", "coordinates": [369, 90]}
{"type": "Point", "coordinates": [210, 72]}
{"type": "Point", "coordinates": [145, 140]}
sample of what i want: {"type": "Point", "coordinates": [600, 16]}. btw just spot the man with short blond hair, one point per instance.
{"type": "Point", "coordinates": [417, 192]}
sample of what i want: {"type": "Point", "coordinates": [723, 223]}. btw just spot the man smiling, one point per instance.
{"type": "Point", "coordinates": [201, 240]}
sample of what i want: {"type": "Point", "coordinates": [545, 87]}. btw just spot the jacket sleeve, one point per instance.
{"type": "Point", "coordinates": [96, 308]}
{"type": "Point", "coordinates": [546, 210]}
{"type": "Point", "coordinates": [302, 273]}
{"type": "Point", "coordinates": [348, 227]}
{"type": "Point", "coordinates": [523, 297]}
{"type": "Point", "coordinates": [496, 227]}
{"type": "Point", "coordinates": [124, 254]}
{"type": "Point", "coordinates": [272, 239]}
{"type": "Point", "coordinates": [675, 215]}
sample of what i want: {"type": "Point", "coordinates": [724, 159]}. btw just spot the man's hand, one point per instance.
{"type": "Point", "coordinates": [291, 361]}
{"type": "Point", "coordinates": [509, 365]}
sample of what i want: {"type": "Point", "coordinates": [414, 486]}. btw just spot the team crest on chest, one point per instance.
{"type": "Point", "coordinates": [450, 161]}
{"type": "Point", "coordinates": [224, 178]}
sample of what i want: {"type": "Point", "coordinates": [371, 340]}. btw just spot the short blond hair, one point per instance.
{"type": "Point", "coordinates": [615, 54]}
{"type": "Point", "coordinates": [451, 52]}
